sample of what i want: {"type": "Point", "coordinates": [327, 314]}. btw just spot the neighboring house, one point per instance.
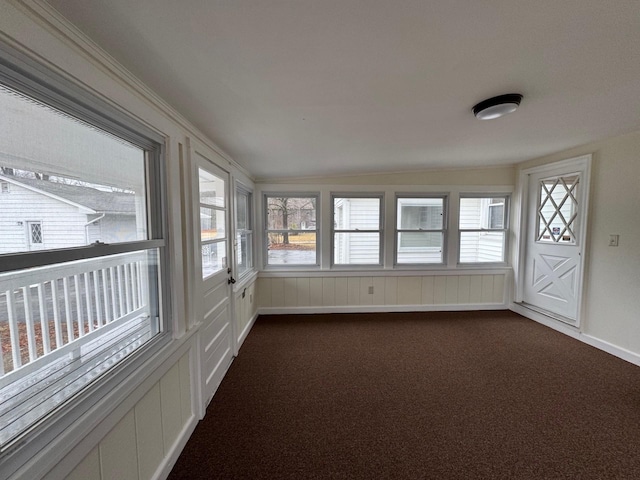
{"type": "Point", "coordinates": [41, 214]}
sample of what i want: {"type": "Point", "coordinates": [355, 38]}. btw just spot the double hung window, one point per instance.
{"type": "Point", "coordinates": [291, 229]}
{"type": "Point", "coordinates": [89, 301]}
{"type": "Point", "coordinates": [420, 229]}
{"type": "Point", "coordinates": [483, 228]}
{"type": "Point", "coordinates": [244, 234]}
{"type": "Point", "coordinates": [357, 229]}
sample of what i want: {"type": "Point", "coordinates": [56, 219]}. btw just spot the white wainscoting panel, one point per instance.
{"type": "Point", "coordinates": [425, 292]}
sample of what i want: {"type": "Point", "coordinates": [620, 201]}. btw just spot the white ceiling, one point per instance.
{"type": "Point", "coordinates": [317, 87]}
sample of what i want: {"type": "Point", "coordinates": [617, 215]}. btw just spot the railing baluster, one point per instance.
{"type": "Point", "coordinates": [127, 286]}
{"type": "Point", "coordinates": [44, 320]}
{"type": "Point", "coordinates": [80, 312]}
{"type": "Point", "coordinates": [87, 293]}
{"type": "Point", "coordinates": [139, 278]}
{"type": "Point", "coordinates": [96, 292]}
{"type": "Point", "coordinates": [13, 330]}
{"type": "Point", "coordinates": [105, 295]}
{"type": "Point", "coordinates": [67, 309]}
{"type": "Point", "coordinates": [28, 318]}
{"type": "Point", "coordinates": [134, 286]}
{"type": "Point", "coordinates": [120, 293]}
{"type": "Point", "coordinates": [113, 294]}
{"type": "Point", "coordinates": [55, 295]}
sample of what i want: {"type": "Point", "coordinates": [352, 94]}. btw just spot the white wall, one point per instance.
{"type": "Point", "coordinates": [612, 274]}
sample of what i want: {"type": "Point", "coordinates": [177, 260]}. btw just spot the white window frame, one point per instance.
{"type": "Point", "coordinates": [4, 187]}
{"type": "Point", "coordinates": [68, 423]}
{"type": "Point", "coordinates": [487, 228]}
{"type": "Point", "coordinates": [243, 190]}
{"type": "Point", "coordinates": [443, 230]}
{"type": "Point", "coordinates": [379, 230]}
{"type": "Point", "coordinates": [267, 231]}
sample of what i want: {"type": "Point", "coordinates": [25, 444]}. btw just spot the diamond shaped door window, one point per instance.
{"type": "Point", "coordinates": [558, 209]}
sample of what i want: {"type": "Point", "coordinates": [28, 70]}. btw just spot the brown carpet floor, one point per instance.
{"type": "Point", "coordinates": [473, 395]}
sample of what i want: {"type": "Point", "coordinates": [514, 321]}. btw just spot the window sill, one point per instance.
{"type": "Point", "coordinates": [245, 280]}
{"type": "Point", "coordinates": [408, 271]}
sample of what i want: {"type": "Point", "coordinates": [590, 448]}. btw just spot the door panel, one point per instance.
{"type": "Point", "coordinates": [554, 240]}
{"type": "Point", "coordinates": [212, 244]}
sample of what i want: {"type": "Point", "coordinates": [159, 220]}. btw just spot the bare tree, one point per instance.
{"type": "Point", "coordinates": [281, 205]}
{"type": "Point", "coordinates": [290, 211]}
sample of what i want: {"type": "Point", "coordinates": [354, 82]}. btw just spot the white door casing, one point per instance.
{"type": "Point", "coordinates": [212, 244]}
{"type": "Point", "coordinates": [553, 235]}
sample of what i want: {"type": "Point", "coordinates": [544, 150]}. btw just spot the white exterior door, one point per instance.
{"type": "Point", "coordinates": [554, 239]}
{"type": "Point", "coordinates": [213, 261]}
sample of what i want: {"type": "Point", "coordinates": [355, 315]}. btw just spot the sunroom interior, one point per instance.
{"type": "Point", "coordinates": [169, 173]}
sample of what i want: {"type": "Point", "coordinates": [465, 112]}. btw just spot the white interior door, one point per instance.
{"type": "Point", "coordinates": [554, 239]}
{"type": "Point", "coordinates": [213, 259]}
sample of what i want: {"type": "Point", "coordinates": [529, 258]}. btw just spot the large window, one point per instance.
{"type": "Point", "coordinates": [244, 234]}
{"type": "Point", "coordinates": [357, 230]}
{"type": "Point", "coordinates": [81, 255]}
{"type": "Point", "coordinates": [483, 228]}
{"type": "Point", "coordinates": [420, 230]}
{"type": "Point", "coordinates": [291, 229]}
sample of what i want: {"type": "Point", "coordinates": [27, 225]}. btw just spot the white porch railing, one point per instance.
{"type": "Point", "coordinates": [48, 311]}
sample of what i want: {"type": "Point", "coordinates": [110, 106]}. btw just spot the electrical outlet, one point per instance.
{"type": "Point", "coordinates": [371, 290]}
{"type": "Point", "coordinates": [613, 240]}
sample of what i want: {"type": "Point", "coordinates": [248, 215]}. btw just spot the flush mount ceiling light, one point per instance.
{"type": "Point", "coordinates": [497, 106]}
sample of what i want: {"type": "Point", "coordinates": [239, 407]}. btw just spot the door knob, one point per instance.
{"type": "Point", "coordinates": [231, 280]}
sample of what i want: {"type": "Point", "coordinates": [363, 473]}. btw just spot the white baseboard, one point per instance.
{"type": "Point", "coordinates": [574, 332]}
{"type": "Point", "coordinates": [380, 308]}
{"type": "Point", "coordinates": [614, 350]}
{"type": "Point", "coordinates": [557, 325]}
{"type": "Point", "coordinates": [169, 460]}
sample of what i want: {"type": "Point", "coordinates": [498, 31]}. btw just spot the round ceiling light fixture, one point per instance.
{"type": "Point", "coordinates": [496, 107]}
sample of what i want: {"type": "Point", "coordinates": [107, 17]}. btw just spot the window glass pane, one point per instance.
{"type": "Point", "coordinates": [482, 213]}
{"type": "Point", "coordinates": [356, 248]}
{"type": "Point", "coordinates": [356, 213]}
{"type": "Point", "coordinates": [211, 224]}
{"type": "Point", "coordinates": [471, 213]}
{"type": "Point", "coordinates": [496, 215]}
{"type": "Point", "coordinates": [211, 189]}
{"type": "Point", "coordinates": [419, 247]}
{"type": "Point", "coordinates": [294, 248]}
{"type": "Point", "coordinates": [92, 313]}
{"type": "Point", "coordinates": [214, 258]}
{"type": "Point", "coordinates": [245, 261]}
{"type": "Point", "coordinates": [420, 213]}
{"type": "Point", "coordinates": [558, 209]}
{"type": "Point", "coordinates": [242, 211]}
{"type": "Point", "coordinates": [481, 247]}
{"type": "Point", "coordinates": [74, 186]}
{"type": "Point", "coordinates": [291, 213]}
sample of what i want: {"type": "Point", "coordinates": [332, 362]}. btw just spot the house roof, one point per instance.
{"type": "Point", "coordinates": [91, 198]}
